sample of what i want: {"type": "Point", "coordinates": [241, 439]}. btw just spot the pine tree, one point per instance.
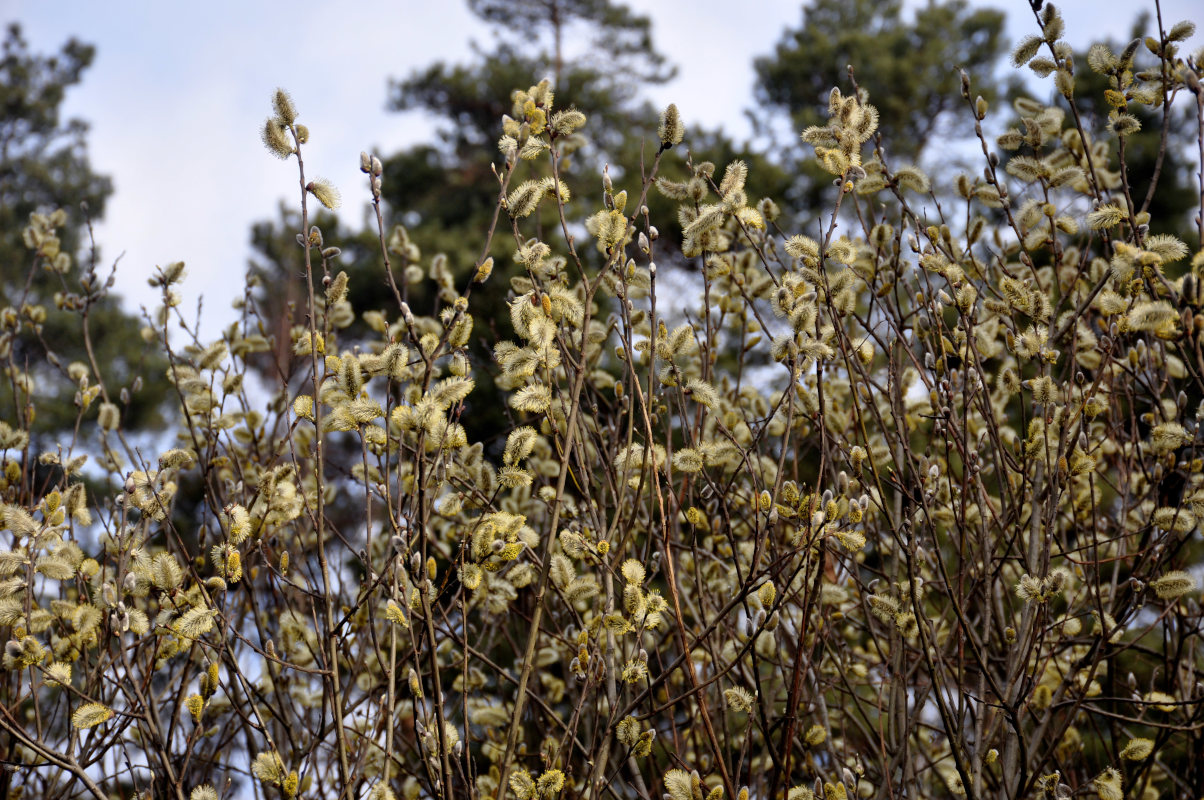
{"type": "Point", "coordinates": [909, 68]}
{"type": "Point", "coordinates": [445, 192]}
{"type": "Point", "coordinates": [1158, 168]}
{"type": "Point", "coordinates": [53, 292]}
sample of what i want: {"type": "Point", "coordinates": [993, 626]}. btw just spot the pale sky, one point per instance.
{"type": "Point", "coordinates": [178, 91]}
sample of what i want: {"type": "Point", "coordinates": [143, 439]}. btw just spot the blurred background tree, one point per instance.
{"type": "Point", "coordinates": [448, 187]}
{"type": "Point", "coordinates": [1152, 162]}
{"type": "Point", "coordinates": [908, 66]}
{"type": "Point", "coordinates": [44, 166]}
{"type": "Point", "coordinates": [598, 55]}
{"type": "Point", "coordinates": [43, 158]}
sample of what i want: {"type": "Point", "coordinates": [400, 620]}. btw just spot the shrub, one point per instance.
{"type": "Point", "coordinates": [904, 508]}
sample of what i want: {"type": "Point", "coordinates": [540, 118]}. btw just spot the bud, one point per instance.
{"type": "Point", "coordinates": [324, 192]}
{"type": "Point", "coordinates": [415, 690]}
{"type": "Point", "coordinates": [1173, 585]}
{"type": "Point", "coordinates": [671, 130]}
{"type": "Point", "coordinates": [282, 103]}
{"type": "Point", "coordinates": [109, 417]}
{"type": "Point", "coordinates": [484, 270]}
{"type": "Point", "coordinates": [275, 138]}
{"type": "Point", "coordinates": [765, 502]}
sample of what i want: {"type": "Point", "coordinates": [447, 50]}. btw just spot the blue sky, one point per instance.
{"type": "Point", "coordinates": [178, 91]}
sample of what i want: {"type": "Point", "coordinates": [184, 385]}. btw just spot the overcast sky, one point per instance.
{"type": "Point", "coordinates": [178, 91]}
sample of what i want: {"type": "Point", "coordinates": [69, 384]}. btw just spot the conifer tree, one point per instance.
{"type": "Point", "coordinates": [908, 66]}
{"type": "Point", "coordinates": [44, 168]}
{"type": "Point", "coordinates": [1156, 155]}
{"type": "Point", "coordinates": [438, 196]}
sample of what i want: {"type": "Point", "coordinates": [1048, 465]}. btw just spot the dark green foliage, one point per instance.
{"type": "Point", "coordinates": [445, 192]}
{"type": "Point", "coordinates": [624, 38]}
{"type": "Point", "coordinates": [43, 159]}
{"type": "Point", "coordinates": [44, 166]}
{"type": "Point", "coordinates": [1171, 207]}
{"type": "Point", "coordinates": [909, 68]}
{"type": "Point", "coordinates": [450, 188]}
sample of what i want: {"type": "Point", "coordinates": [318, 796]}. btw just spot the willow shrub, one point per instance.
{"type": "Point", "coordinates": [906, 508]}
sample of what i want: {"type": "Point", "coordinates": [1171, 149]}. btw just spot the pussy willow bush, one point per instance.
{"type": "Point", "coordinates": [906, 507]}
